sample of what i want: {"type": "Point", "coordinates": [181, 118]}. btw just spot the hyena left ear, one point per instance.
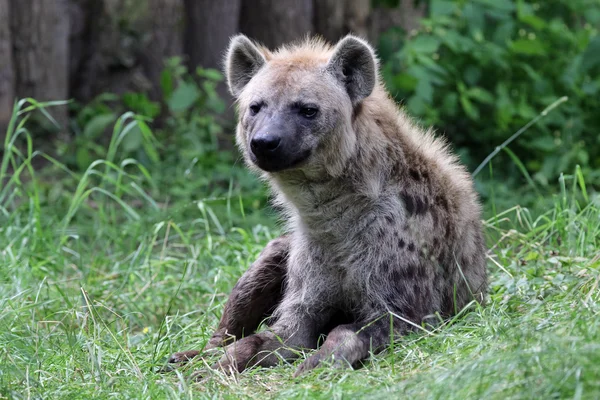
{"type": "Point", "coordinates": [354, 64]}
{"type": "Point", "coordinates": [242, 62]}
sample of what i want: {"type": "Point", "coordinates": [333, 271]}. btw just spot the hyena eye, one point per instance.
{"type": "Point", "coordinates": [255, 108]}
{"type": "Point", "coordinates": [308, 112]}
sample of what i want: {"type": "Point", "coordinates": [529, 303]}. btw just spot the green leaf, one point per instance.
{"type": "Point", "coordinates": [468, 107]}
{"type": "Point", "coordinates": [533, 21]}
{"type": "Point", "coordinates": [183, 97]}
{"type": "Point", "coordinates": [481, 95]}
{"type": "Point", "coordinates": [441, 7]}
{"type": "Point", "coordinates": [97, 125]}
{"type": "Point", "coordinates": [405, 82]}
{"type": "Point", "coordinates": [133, 140]}
{"type": "Point", "coordinates": [425, 44]}
{"type": "Point", "coordinates": [528, 47]}
{"type": "Point", "coordinates": [424, 90]}
{"type": "Point", "coordinates": [166, 83]}
{"type": "Point", "coordinates": [83, 158]}
{"type": "Point", "coordinates": [472, 74]}
{"type": "Point", "coordinates": [591, 56]}
{"type": "Point", "coordinates": [209, 73]}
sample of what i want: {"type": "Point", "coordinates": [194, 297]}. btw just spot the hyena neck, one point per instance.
{"type": "Point", "coordinates": [331, 205]}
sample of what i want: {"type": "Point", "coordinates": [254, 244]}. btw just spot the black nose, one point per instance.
{"type": "Point", "coordinates": [264, 143]}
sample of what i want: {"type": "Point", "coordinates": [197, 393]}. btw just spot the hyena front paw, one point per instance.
{"type": "Point", "coordinates": [183, 357]}
{"type": "Point", "coordinates": [319, 359]}
{"type": "Point", "coordinates": [240, 354]}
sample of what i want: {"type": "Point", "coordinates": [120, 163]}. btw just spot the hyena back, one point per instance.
{"type": "Point", "coordinates": [384, 224]}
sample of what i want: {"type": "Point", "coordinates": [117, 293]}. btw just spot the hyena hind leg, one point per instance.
{"type": "Point", "coordinates": [252, 299]}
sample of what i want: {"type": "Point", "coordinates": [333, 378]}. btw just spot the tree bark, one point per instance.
{"type": "Point", "coordinates": [165, 28]}
{"type": "Point", "coordinates": [407, 16]}
{"type": "Point", "coordinates": [335, 18]}
{"type": "Point", "coordinates": [275, 22]}
{"type": "Point", "coordinates": [209, 26]}
{"type": "Point", "coordinates": [7, 90]}
{"type": "Point", "coordinates": [40, 37]}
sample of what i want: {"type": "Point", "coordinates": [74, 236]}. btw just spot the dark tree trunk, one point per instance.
{"type": "Point", "coordinates": [40, 37]}
{"type": "Point", "coordinates": [165, 28]}
{"type": "Point", "coordinates": [274, 22]}
{"type": "Point", "coordinates": [336, 18]}
{"type": "Point", "coordinates": [209, 26]}
{"type": "Point", "coordinates": [407, 15]}
{"type": "Point", "coordinates": [7, 90]}
{"type": "Point", "coordinates": [84, 40]}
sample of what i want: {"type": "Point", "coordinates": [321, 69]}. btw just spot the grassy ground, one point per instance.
{"type": "Point", "coordinates": [100, 281]}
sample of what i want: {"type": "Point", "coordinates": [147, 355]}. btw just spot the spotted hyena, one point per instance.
{"type": "Point", "coordinates": [383, 223]}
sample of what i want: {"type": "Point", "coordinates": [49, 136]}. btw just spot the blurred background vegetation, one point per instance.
{"type": "Point", "coordinates": [476, 70]}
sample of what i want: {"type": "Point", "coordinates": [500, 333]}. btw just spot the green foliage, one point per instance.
{"type": "Point", "coordinates": [479, 70]}
{"type": "Point", "coordinates": [187, 114]}
{"type": "Point", "coordinates": [193, 104]}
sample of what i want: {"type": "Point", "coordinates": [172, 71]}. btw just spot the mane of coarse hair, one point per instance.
{"type": "Point", "coordinates": [309, 47]}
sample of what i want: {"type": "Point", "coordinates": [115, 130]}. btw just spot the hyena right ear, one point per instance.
{"type": "Point", "coordinates": [354, 64]}
{"type": "Point", "coordinates": [242, 62]}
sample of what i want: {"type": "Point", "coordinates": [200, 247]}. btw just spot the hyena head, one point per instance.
{"type": "Point", "coordinates": [296, 104]}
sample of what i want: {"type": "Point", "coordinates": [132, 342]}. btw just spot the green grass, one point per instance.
{"type": "Point", "coordinates": [103, 275]}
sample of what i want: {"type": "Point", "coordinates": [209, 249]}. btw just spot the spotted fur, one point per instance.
{"type": "Point", "coordinates": [383, 222]}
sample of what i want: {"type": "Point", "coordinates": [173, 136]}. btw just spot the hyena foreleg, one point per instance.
{"type": "Point", "coordinates": [254, 297]}
{"type": "Point", "coordinates": [348, 344]}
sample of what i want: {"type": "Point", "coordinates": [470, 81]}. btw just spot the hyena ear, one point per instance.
{"type": "Point", "coordinates": [354, 64]}
{"type": "Point", "coordinates": [242, 62]}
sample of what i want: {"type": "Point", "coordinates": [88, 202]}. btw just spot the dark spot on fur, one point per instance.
{"type": "Point", "coordinates": [447, 229]}
{"type": "Point", "coordinates": [401, 243]}
{"type": "Point", "coordinates": [409, 273]}
{"type": "Point", "coordinates": [409, 203]}
{"type": "Point", "coordinates": [414, 174]}
{"type": "Point", "coordinates": [385, 267]}
{"type": "Point", "coordinates": [425, 175]}
{"type": "Point", "coordinates": [435, 217]}
{"type": "Point", "coordinates": [421, 205]}
{"type": "Point", "coordinates": [396, 276]}
{"type": "Point", "coordinates": [415, 205]}
{"type": "Point", "coordinates": [442, 201]}
{"type": "Point", "coordinates": [417, 289]}
{"type": "Point", "coordinates": [411, 247]}
{"type": "Point", "coordinates": [357, 111]}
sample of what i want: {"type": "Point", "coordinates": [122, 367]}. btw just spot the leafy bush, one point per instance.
{"type": "Point", "coordinates": [186, 113]}
{"type": "Point", "coordinates": [479, 70]}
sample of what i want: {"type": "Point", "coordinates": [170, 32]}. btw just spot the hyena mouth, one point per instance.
{"type": "Point", "coordinates": [280, 162]}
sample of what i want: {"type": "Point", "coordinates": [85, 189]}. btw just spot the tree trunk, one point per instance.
{"type": "Point", "coordinates": [40, 37]}
{"type": "Point", "coordinates": [407, 16]}
{"type": "Point", "coordinates": [274, 22]}
{"type": "Point", "coordinates": [165, 28]}
{"type": "Point", "coordinates": [7, 90]}
{"type": "Point", "coordinates": [336, 18]}
{"type": "Point", "coordinates": [209, 26]}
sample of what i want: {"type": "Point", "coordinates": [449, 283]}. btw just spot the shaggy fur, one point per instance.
{"type": "Point", "coordinates": [384, 225]}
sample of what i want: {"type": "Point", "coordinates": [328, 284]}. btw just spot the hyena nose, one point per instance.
{"type": "Point", "coordinates": [262, 144]}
